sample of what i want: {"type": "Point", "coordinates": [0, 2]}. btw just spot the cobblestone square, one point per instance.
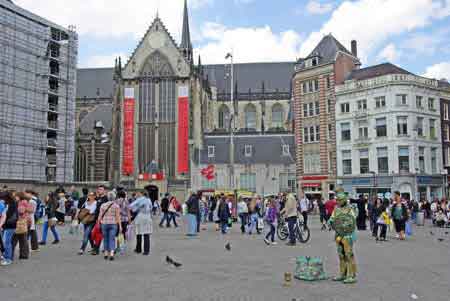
{"type": "Point", "coordinates": [393, 270]}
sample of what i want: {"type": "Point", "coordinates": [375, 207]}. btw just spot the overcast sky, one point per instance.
{"type": "Point", "coordinates": [414, 34]}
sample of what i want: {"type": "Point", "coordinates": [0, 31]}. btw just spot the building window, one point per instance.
{"type": "Point", "coordinates": [248, 181]}
{"type": "Point", "coordinates": [330, 131]}
{"type": "Point", "coordinates": [305, 110]}
{"type": "Point", "coordinates": [311, 134]}
{"type": "Point", "coordinates": [306, 135]}
{"type": "Point", "coordinates": [316, 104]}
{"type": "Point", "coordinates": [328, 82]}
{"type": "Point", "coordinates": [363, 130]}
{"type": "Point", "coordinates": [380, 102]}
{"type": "Point", "coordinates": [403, 159]}
{"type": "Point", "coordinates": [277, 116]}
{"type": "Point", "coordinates": [347, 162]}
{"type": "Point", "coordinates": [383, 160]}
{"type": "Point", "coordinates": [432, 129]}
{"type": "Point", "coordinates": [285, 150]}
{"type": "Point", "coordinates": [211, 151]}
{"type": "Point", "coordinates": [316, 85]}
{"type": "Point", "coordinates": [446, 132]}
{"type": "Point", "coordinates": [421, 159]}
{"type": "Point", "coordinates": [345, 131]}
{"type": "Point", "coordinates": [420, 126]}
{"type": "Point", "coordinates": [402, 99]}
{"type": "Point", "coordinates": [363, 161]}
{"type": "Point", "coordinates": [250, 116]}
{"type": "Point", "coordinates": [224, 117]}
{"type": "Point", "coordinates": [446, 156]}
{"type": "Point", "coordinates": [248, 150]}
{"type": "Point", "coordinates": [311, 109]}
{"type": "Point", "coordinates": [317, 133]}
{"type": "Point", "coordinates": [402, 125]}
{"type": "Point", "coordinates": [305, 88]}
{"type": "Point", "coordinates": [381, 127]}
{"type": "Point", "coordinates": [419, 104]}
{"type": "Point", "coordinates": [362, 105]}
{"type": "Point", "coordinates": [445, 108]}
{"type": "Point", "coordinates": [345, 107]}
{"type": "Point", "coordinates": [310, 85]}
{"type": "Point", "coordinates": [431, 104]}
{"type": "Point", "coordinates": [434, 160]}
{"type": "Point", "coordinates": [288, 182]}
{"type": "Point", "coordinates": [329, 105]}
{"type": "Point", "coordinates": [311, 163]}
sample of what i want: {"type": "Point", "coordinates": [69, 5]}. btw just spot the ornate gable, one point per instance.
{"type": "Point", "coordinates": [156, 55]}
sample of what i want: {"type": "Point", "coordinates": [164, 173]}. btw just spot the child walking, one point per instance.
{"type": "Point", "coordinates": [271, 217]}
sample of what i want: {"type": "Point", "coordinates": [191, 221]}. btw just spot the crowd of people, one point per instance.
{"type": "Point", "coordinates": [111, 218]}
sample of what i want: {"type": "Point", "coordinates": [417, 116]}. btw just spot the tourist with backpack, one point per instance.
{"type": "Point", "coordinates": [9, 227]}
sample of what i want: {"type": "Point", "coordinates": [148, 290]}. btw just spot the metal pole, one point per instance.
{"type": "Point", "coordinates": [233, 125]}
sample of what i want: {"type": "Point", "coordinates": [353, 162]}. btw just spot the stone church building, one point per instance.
{"type": "Point", "coordinates": [159, 119]}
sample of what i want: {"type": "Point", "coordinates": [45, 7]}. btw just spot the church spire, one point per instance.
{"type": "Point", "coordinates": [186, 45]}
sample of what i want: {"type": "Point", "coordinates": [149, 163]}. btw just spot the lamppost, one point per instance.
{"type": "Point", "coordinates": [374, 175]}
{"type": "Point", "coordinates": [232, 120]}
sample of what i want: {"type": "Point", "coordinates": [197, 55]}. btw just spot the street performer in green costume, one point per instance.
{"type": "Point", "coordinates": [343, 221]}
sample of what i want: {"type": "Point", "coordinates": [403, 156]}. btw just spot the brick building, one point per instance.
{"type": "Point", "coordinates": [314, 113]}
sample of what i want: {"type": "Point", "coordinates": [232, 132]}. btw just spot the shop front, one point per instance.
{"type": "Point", "coordinates": [430, 187]}
{"type": "Point", "coordinates": [316, 187]}
{"type": "Point", "coordinates": [380, 186]}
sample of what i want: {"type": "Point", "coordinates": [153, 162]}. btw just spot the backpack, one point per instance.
{"type": "Point", "coordinates": [40, 209]}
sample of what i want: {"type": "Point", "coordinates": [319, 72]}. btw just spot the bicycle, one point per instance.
{"type": "Point", "coordinates": [302, 232]}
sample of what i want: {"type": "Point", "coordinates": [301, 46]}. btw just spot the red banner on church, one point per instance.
{"type": "Point", "coordinates": [128, 132]}
{"type": "Point", "coordinates": [183, 129]}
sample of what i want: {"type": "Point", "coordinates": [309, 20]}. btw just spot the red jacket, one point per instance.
{"type": "Point", "coordinates": [329, 206]}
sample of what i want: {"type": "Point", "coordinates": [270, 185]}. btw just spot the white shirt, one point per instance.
{"type": "Point", "coordinates": [91, 207]}
{"type": "Point", "coordinates": [33, 222]}
{"type": "Point", "coordinates": [304, 205]}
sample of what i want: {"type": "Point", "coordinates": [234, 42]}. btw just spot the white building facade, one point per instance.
{"type": "Point", "coordinates": [388, 134]}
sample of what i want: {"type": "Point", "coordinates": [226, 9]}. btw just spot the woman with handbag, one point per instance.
{"type": "Point", "coordinates": [9, 227]}
{"type": "Point", "coordinates": [109, 220]}
{"type": "Point", "coordinates": [50, 219]}
{"type": "Point", "coordinates": [86, 216]}
{"type": "Point", "coordinates": [22, 225]}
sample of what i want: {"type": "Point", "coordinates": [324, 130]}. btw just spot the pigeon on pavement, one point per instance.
{"type": "Point", "coordinates": [228, 246]}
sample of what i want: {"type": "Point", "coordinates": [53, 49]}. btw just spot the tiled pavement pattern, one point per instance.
{"type": "Point", "coordinates": [252, 271]}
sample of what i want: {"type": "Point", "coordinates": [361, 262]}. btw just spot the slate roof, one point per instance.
{"type": "Point", "coordinates": [251, 75]}
{"type": "Point", "coordinates": [101, 113]}
{"type": "Point", "coordinates": [265, 149]}
{"type": "Point", "coordinates": [443, 83]}
{"type": "Point", "coordinates": [91, 79]}
{"type": "Point", "coordinates": [248, 76]}
{"type": "Point", "coordinates": [326, 51]}
{"type": "Point", "coordinates": [375, 71]}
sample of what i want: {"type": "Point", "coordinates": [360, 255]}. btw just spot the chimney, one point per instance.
{"type": "Point", "coordinates": [354, 48]}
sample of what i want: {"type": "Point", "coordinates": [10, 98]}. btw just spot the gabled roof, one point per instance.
{"type": "Point", "coordinates": [93, 80]}
{"type": "Point", "coordinates": [251, 76]}
{"type": "Point", "coordinates": [265, 149]}
{"type": "Point", "coordinates": [101, 113]}
{"type": "Point", "coordinates": [326, 50]}
{"type": "Point", "coordinates": [156, 20]}
{"type": "Point", "coordinates": [375, 71]}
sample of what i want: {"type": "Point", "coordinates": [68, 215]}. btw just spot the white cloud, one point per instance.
{"type": "Point", "coordinates": [317, 8]}
{"type": "Point", "coordinates": [104, 18]}
{"type": "Point", "coordinates": [258, 44]}
{"type": "Point", "coordinates": [102, 61]}
{"type": "Point", "coordinates": [438, 71]}
{"type": "Point", "coordinates": [373, 22]}
{"type": "Point", "coordinates": [389, 53]}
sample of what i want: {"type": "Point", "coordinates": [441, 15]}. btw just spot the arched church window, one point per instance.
{"type": "Point", "coordinates": [224, 117]}
{"type": "Point", "coordinates": [250, 116]}
{"type": "Point", "coordinates": [277, 115]}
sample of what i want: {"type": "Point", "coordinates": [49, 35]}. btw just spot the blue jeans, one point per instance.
{"type": "Point", "coordinates": [224, 226]}
{"type": "Point", "coordinates": [271, 233]}
{"type": "Point", "coordinates": [109, 232]}
{"type": "Point", "coordinates": [253, 222]}
{"type": "Point", "coordinates": [8, 243]}
{"type": "Point", "coordinates": [45, 231]}
{"type": "Point", "coordinates": [291, 225]}
{"type": "Point", "coordinates": [87, 236]}
{"type": "Point", "coordinates": [172, 217]}
{"type": "Point", "coordinates": [166, 218]}
{"type": "Point", "coordinates": [192, 224]}
{"type": "Point", "coordinates": [243, 217]}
